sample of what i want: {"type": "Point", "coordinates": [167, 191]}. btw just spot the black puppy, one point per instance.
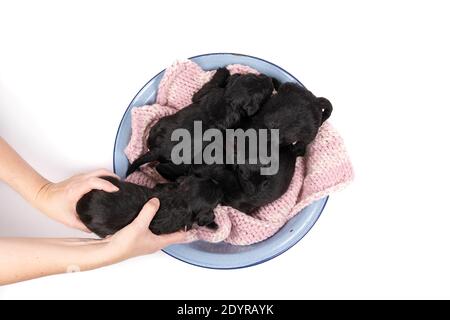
{"type": "Point", "coordinates": [182, 204]}
{"type": "Point", "coordinates": [259, 189]}
{"type": "Point", "coordinates": [243, 186]}
{"type": "Point", "coordinates": [296, 112]}
{"type": "Point", "coordinates": [221, 103]}
{"type": "Point", "coordinates": [293, 110]}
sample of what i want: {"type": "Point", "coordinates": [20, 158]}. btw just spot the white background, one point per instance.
{"type": "Point", "coordinates": [68, 72]}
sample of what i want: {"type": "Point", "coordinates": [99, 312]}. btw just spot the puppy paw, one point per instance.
{"type": "Point", "coordinates": [212, 225]}
{"type": "Point", "coordinates": [299, 149]}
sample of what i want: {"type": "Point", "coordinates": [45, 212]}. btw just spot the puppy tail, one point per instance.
{"type": "Point", "coordinates": [326, 107]}
{"type": "Point", "coordinates": [145, 158]}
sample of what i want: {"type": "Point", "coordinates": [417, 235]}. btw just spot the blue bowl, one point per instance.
{"type": "Point", "coordinates": [223, 255]}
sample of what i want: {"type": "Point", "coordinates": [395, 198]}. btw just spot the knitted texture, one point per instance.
{"type": "Point", "coordinates": [326, 168]}
{"type": "Point", "coordinates": [184, 78]}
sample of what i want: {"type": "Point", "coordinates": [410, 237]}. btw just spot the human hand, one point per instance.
{"type": "Point", "coordinates": [136, 239]}
{"type": "Point", "coordinates": [58, 200]}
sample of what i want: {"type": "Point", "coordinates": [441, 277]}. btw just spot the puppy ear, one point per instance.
{"type": "Point", "coordinates": [219, 80]}
{"type": "Point", "coordinates": [326, 107]}
{"type": "Point", "coordinates": [258, 99]}
{"type": "Point", "coordinates": [299, 149]}
{"type": "Point", "coordinates": [205, 217]}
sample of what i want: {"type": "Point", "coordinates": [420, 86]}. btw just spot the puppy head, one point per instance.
{"type": "Point", "coordinates": [172, 215]}
{"type": "Point", "coordinates": [248, 92]}
{"type": "Point", "coordinates": [305, 97]}
{"type": "Point", "coordinates": [203, 197]}
{"type": "Point", "coordinates": [324, 105]}
{"type": "Point", "coordinates": [104, 213]}
{"type": "Point", "coordinates": [297, 113]}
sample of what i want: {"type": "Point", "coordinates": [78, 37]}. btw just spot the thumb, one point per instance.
{"type": "Point", "coordinates": [147, 213]}
{"type": "Point", "coordinates": [176, 237]}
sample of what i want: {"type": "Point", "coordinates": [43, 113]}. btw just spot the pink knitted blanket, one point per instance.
{"type": "Point", "coordinates": [325, 168]}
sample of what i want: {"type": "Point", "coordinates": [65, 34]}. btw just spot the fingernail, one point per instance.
{"type": "Point", "coordinates": [154, 201]}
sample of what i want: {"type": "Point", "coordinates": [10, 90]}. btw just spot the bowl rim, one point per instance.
{"type": "Point", "coordinates": [196, 264]}
{"type": "Point", "coordinates": [263, 260]}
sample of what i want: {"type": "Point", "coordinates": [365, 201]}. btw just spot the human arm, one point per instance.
{"type": "Point", "coordinates": [28, 258]}
{"type": "Point", "coordinates": [56, 200]}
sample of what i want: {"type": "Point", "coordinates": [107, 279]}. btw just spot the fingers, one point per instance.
{"type": "Point", "coordinates": [98, 184]}
{"type": "Point", "coordinates": [176, 237]}
{"type": "Point", "coordinates": [83, 187]}
{"type": "Point", "coordinates": [147, 213]}
{"type": "Point", "coordinates": [102, 172]}
{"type": "Point", "coordinates": [91, 181]}
{"type": "Point", "coordinates": [80, 226]}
